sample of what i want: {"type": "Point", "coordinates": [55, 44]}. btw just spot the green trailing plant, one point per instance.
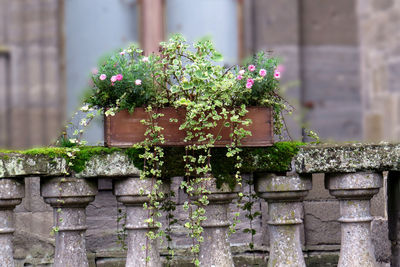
{"type": "Point", "coordinates": [185, 77]}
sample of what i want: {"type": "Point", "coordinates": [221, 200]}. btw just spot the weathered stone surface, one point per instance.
{"type": "Point", "coordinates": [380, 239]}
{"type": "Point", "coordinates": [69, 198]}
{"type": "Point", "coordinates": [32, 201]}
{"type": "Point", "coordinates": [11, 194]}
{"type": "Point", "coordinates": [284, 196]}
{"type": "Point", "coordinates": [35, 224]}
{"type": "Point", "coordinates": [14, 165]}
{"type": "Point", "coordinates": [347, 158]}
{"type": "Point", "coordinates": [116, 164]}
{"type": "Point", "coordinates": [310, 159]}
{"type": "Point", "coordinates": [320, 222]}
{"type": "Point", "coordinates": [215, 250]}
{"type": "Point", "coordinates": [128, 191]}
{"type": "Point", "coordinates": [318, 191]}
{"type": "Point", "coordinates": [33, 250]}
{"type": "Point", "coordinates": [118, 262]}
{"type": "Point", "coordinates": [354, 191]}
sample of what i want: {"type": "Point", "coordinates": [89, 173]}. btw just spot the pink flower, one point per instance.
{"type": "Point", "coordinates": [113, 79]}
{"type": "Point", "coordinates": [95, 71]}
{"type": "Point", "coordinates": [249, 85]}
{"type": "Point", "coordinates": [138, 82]}
{"type": "Point", "coordinates": [122, 52]}
{"type": "Point", "coordinates": [241, 72]}
{"type": "Point", "coordinates": [119, 77]}
{"type": "Point", "coordinates": [239, 77]}
{"type": "Point", "coordinates": [103, 77]}
{"type": "Point", "coordinates": [263, 72]}
{"type": "Point", "coordinates": [252, 68]}
{"type": "Point", "coordinates": [250, 80]}
{"type": "Point", "coordinates": [277, 74]}
{"type": "Point", "coordinates": [145, 59]}
{"type": "Point", "coordinates": [112, 84]}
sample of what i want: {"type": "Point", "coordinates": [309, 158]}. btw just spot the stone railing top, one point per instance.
{"type": "Point", "coordinates": [111, 162]}
{"type": "Point", "coordinates": [330, 158]}
{"type": "Point", "coordinates": [57, 162]}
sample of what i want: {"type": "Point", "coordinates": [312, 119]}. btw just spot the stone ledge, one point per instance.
{"type": "Point", "coordinates": [326, 158]}
{"type": "Point", "coordinates": [347, 158]}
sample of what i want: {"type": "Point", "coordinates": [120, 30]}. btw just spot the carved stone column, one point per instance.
{"type": "Point", "coordinates": [354, 191]}
{"type": "Point", "coordinates": [284, 195]}
{"type": "Point", "coordinates": [127, 192]}
{"type": "Point", "coordinates": [69, 198]}
{"type": "Point", "coordinates": [215, 249]}
{"type": "Point", "coordinates": [11, 193]}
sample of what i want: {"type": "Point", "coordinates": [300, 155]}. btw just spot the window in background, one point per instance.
{"type": "Point", "coordinates": [214, 18]}
{"type": "Point", "coordinates": [94, 28]}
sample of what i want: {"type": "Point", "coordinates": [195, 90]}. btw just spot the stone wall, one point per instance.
{"type": "Point", "coordinates": [318, 43]}
{"type": "Point", "coordinates": [380, 68]}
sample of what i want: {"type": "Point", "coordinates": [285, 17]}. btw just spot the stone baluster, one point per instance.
{"type": "Point", "coordinates": [142, 251]}
{"type": "Point", "coordinates": [69, 198]}
{"type": "Point", "coordinates": [215, 249]}
{"type": "Point", "coordinates": [11, 194]}
{"type": "Point", "coordinates": [284, 195]}
{"type": "Point", "coordinates": [354, 191]}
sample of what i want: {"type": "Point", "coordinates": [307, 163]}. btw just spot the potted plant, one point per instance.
{"type": "Point", "coordinates": [182, 96]}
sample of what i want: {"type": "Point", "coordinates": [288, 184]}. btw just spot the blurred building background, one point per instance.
{"type": "Point", "coordinates": [342, 74]}
{"type": "Point", "coordinates": [341, 58]}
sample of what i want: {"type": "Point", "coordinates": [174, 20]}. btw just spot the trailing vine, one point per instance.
{"type": "Point", "coordinates": [211, 97]}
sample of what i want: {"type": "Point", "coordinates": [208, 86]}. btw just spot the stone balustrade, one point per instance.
{"type": "Point", "coordinates": [353, 175]}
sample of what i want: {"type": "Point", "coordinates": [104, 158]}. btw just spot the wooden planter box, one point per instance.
{"type": "Point", "coordinates": [124, 129]}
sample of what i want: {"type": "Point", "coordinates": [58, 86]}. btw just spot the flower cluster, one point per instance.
{"type": "Point", "coordinates": [250, 80]}
{"type": "Point", "coordinates": [180, 77]}
{"type": "Point", "coordinates": [124, 80]}
{"type": "Point", "coordinates": [187, 77]}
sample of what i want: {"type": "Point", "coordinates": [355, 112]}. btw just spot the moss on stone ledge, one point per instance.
{"type": "Point", "coordinates": [78, 162]}
{"type": "Point", "coordinates": [276, 158]}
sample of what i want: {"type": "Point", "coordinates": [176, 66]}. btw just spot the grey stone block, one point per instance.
{"type": "Point", "coordinates": [378, 203]}
{"type": "Point", "coordinates": [111, 262]}
{"type": "Point", "coordinates": [320, 222]}
{"type": "Point", "coordinates": [33, 201]}
{"type": "Point", "coordinates": [105, 204]}
{"type": "Point", "coordinates": [36, 224]}
{"type": "Point", "coordinates": [330, 22]}
{"type": "Point", "coordinates": [394, 77]}
{"type": "Point", "coordinates": [380, 240]}
{"type": "Point", "coordinates": [382, 4]}
{"type": "Point", "coordinates": [318, 191]}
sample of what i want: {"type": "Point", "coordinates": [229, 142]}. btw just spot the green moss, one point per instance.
{"type": "Point", "coordinates": [134, 157]}
{"type": "Point", "coordinates": [51, 152]}
{"type": "Point", "coordinates": [277, 157]}
{"type": "Point", "coordinates": [4, 157]}
{"type": "Point", "coordinates": [274, 158]}
{"type": "Point", "coordinates": [86, 153]}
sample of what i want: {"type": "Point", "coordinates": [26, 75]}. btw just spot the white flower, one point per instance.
{"type": "Point", "coordinates": [85, 108]}
{"type": "Point", "coordinates": [83, 122]}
